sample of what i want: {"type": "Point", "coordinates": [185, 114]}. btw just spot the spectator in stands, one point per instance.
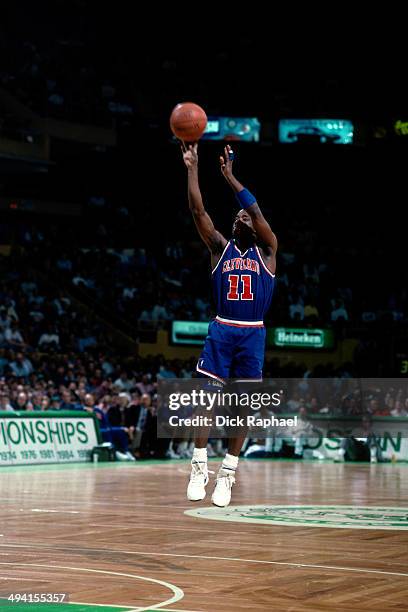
{"type": "Point", "coordinates": [3, 361]}
{"type": "Point", "coordinates": [361, 445]}
{"type": "Point", "coordinates": [64, 263]}
{"type": "Point", "coordinates": [310, 273]}
{"type": "Point", "coordinates": [202, 307]}
{"type": "Point", "coordinates": [61, 303]}
{"type": "Point", "coordinates": [13, 337]}
{"type": "Point", "coordinates": [145, 317]}
{"type": "Point", "coordinates": [22, 402]}
{"type": "Point", "coordinates": [28, 287]}
{"type": "Point", "coordinates": [339, 312]}
{"type": "Point", "coordinates": [311, 313]}
{"type": "Point", "coordinates": [294, 403]}
{"type": "Point", "coordinates": [36, 398]}
{"type": "Point", "coordinates": [36, 315]}
{"type": "Point", "coordinates": [21, 366]}
{"type": "Point", "coordinates": [116, 435]}
{"type": "Point", "coordinates": [296, 309]}
{"type": "Point", "coordinates": [49, 340]}
{"type": "Point", "coordinates": [313, 405]}
{"type": "Point", "coordinates": [159, 312]}
{"type": "Point", "coordinates": [80, 280]}
{"type": "Point", "coordinates": [107, 366]}
{"type": "Point", "coordinates": [123, 382]}
{"type": "Point", "coordinates": [399, 410]}
{"type": "Point", "coordinates": [150, 445]}
{"type": "Point", "coordinates": [11, 308]}
{"type": "Point", "coordinates": [5, 403]}
{"type": "Point", "coordinates": [87, 340]}
{"type": "Point", "coordinates": [67, 401]}
{"type": "Point", "coordinates": [5, 320]}
{"type": "Point", "coordinates": [45, 403]}
{"type": "Point", "coordinates": [166, 372]}
{"type": "Point", "coordinates": [145, 386]}
{"type": "Point", "coordinates": [377, 408]}
{"type": "Point", "coordinates": [302, 433]}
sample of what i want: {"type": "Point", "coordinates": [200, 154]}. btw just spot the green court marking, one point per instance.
{"type": "Point", "coordinates": [340, 517]}
{"type": "Point", "coordinates": [8, 606]}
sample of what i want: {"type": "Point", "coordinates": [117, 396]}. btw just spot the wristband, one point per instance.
{"type": "Point", "coordinates": [245, 198]}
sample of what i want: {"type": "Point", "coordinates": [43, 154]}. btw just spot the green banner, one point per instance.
{"type": "Point", "coordinates": [189, 332]}
{"type": "Point", "coordinates": [47, 437]}
{"type": "Point", "coordinates": [289, 337]}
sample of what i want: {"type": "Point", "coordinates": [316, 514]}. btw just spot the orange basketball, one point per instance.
{"type": "Point", "coordinates": [188, 121]}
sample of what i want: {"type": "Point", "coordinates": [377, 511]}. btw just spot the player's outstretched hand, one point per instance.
{"type": "Point", "coordinates": [190, 154]}
{"type": "Point", "coordinates": [226, 162]}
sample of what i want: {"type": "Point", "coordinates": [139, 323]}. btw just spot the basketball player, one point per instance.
{"type": "Point", "coordinates": [243, 271]}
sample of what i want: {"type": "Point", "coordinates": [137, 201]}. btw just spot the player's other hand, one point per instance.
{"type": "Point", "coordinates": [190, 154]}
{"type": "Point", "coordinates": [226, 162]}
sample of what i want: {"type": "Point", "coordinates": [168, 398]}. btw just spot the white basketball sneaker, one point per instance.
{"type": "Point", "coordinates": [222, 492]}
{"type": "Point", "coordinates": [198, 480]}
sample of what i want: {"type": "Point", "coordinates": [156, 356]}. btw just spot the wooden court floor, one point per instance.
{"type": "Point", "coordinates": [117, 535]}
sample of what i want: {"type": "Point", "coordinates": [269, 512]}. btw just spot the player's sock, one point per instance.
{"type": "Point", "coordinates": [200, 454]}
{"type": "Point", "coordinates": [230, 462]}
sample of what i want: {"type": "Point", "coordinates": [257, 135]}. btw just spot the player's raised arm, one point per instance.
{"type": "Point", "coordinates": [266, 238]}
{"type": "Point", "coordinates": [212, 237]}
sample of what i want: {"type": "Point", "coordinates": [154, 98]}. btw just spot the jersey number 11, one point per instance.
{"type": "Point", "coordinates": [234, 286]}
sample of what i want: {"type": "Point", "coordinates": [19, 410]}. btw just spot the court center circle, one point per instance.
{"type": "Point", "coordinates": [332, 516]}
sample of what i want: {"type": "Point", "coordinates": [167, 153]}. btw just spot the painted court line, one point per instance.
{"type": "Point", "coordinates": [177, 592]}
{"type": "Point", "coordinates": [81, 501]}
{"type": "Point", "coordinates": [232, 559]}
{"type": "Point", "coordinates": [7, 578]}
{"type": "Point", "coordinates": [122, 607]}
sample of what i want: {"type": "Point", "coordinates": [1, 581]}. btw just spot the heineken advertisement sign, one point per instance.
{"type": "Point", "coordinates": [339, 517]}
{"type": "Point", "coordinates": [46, 437]}
{"type": "Point", "coordinates": [189, 332]}
{"type": "Point", "coordinates": [288, 337]}
{"type": "Point", "coordinates": [193, 333]}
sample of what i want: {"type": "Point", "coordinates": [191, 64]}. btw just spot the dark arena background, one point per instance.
{"type": "Point", "coordinates": [105, 295]}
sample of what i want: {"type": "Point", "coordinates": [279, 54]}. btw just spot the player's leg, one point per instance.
{"type": "Point", "coordinates": [235, 444]}
{"type": "Point", "coordinates": [199, 467]}
{"type": "Point", "coordinates": [213, 365]}
{"type": "Point", "coordinates": [247, 369]}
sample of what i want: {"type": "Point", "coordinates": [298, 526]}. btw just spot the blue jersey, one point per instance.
{"type": "Point", "coordinates": [243, 285]}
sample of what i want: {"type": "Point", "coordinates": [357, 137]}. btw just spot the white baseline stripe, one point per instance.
{"type": "Point", "coordinates": [233, 559]}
